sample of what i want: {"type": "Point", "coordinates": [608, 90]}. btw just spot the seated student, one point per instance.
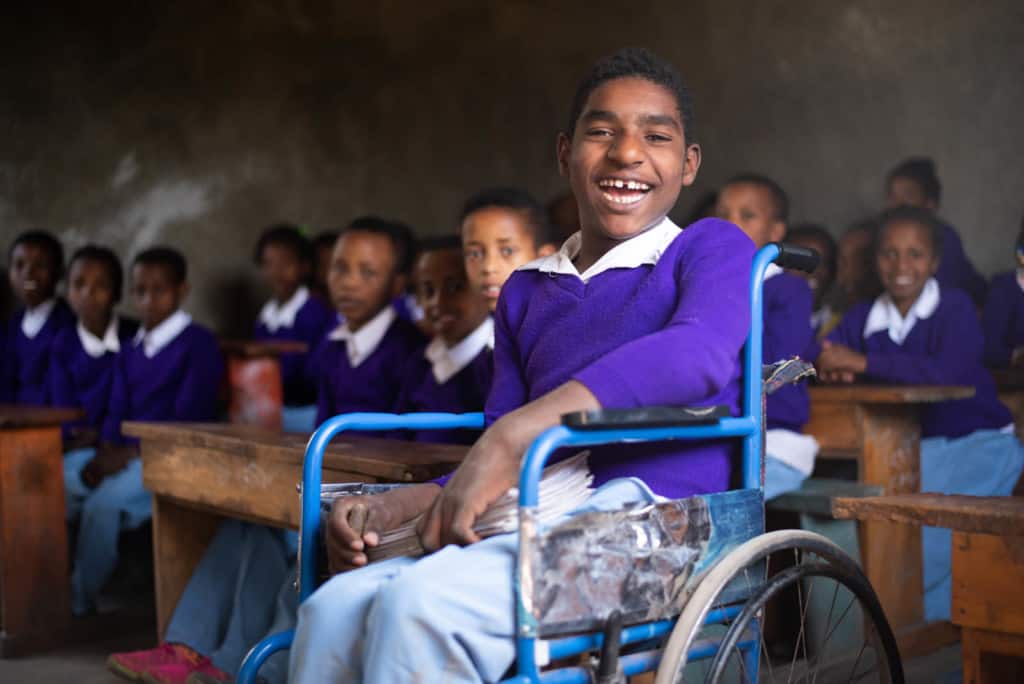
{"type": "Point", "coordinates": [920, 332]}
{"type": "Point", "coordinates": [856, 280]}
{"type": "Point", "coordinates": [323, 247]}
{"type": "Point", "coordinates": [453, 373]}
{"type": "Point", "coordinates": [169, 372]}
{"type": "Point", "coordinates": [285, 259]}
{"type": "Point", "coordinates": [760, 207]}
{"type": "Point", "coordinates": [82, 363]}
{"type": "Point", "coordinates": [815, 237]}
{"type": "Point", "coordinates": [630, 312]}
{"type": "Point", "coordinates": [35, 266]}
{"type": "Point", "coordinates": [914, 183]}
{"type": "Point", "coordinates": [228, 603]}
{"type": "Point", "coordinates": [1003, 317]}
{"type": "Point", "coordinates": [502, 229]}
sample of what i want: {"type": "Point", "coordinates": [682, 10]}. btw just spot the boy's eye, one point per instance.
{"type": "Point", "coordinates": [658, 137]}
{"type": "Point", "coordinates": [508, 251]}
{"type": "Point", "coordinates": [367, 273]}
{"type": "Point", "coordinates": [474, 254]}
{"type": "Point", "coordinates": [598, 132]}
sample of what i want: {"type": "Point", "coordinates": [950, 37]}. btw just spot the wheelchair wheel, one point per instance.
{"type": "Point", "coordinates": [793, 607]}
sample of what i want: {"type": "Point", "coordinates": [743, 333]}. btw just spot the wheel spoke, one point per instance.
{"type": "Point", "coordinates": [828, 621]}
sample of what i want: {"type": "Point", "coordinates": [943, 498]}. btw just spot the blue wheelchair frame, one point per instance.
{"type": "Point", "coordinates": [747, 427]}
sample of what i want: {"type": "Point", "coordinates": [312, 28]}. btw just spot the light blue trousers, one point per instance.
{"type": "Point", "coordinates": [240, 591]}
{"type": "Point", "coordinates": [780, 478]}
{"type": "Point", "coordinates": [448, 617]}
{"type": "Point", "coordinates": [298, 418]}
{"type": "Point", "coordinates": [118, 503]}
{"type": "Point", "coordinates": [983, 463]}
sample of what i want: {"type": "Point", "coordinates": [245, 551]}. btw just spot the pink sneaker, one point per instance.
{"type": "Point", "coordinates": [135, 664]}
{"type": "Point", "coordinates": [179, 673]}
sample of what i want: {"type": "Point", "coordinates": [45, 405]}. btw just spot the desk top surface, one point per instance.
{"type": "Point", "coordinates": [999, 515]}
{"type": "Point", "coordinates": [347, 452]}
{"type": "Point", "coordinates": [889, 394]}
{"type": "Point", "coordinates": [15, 416]}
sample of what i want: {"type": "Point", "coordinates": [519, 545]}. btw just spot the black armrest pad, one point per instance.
{"type": "Point", "coordinates": [649, 417]}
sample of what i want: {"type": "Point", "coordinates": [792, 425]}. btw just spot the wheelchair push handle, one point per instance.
{"type": "Point", "coordinates": [801, 258]}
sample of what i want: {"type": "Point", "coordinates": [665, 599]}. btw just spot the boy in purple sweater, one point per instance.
{"type": "Point", "coordinates": [453, 373]}
{"type": "Point", "coordinates": [919, 332]}
{"type": "Point", "coordinates": [169, 372]}
{"type": "Point", "coordinates": [35, 266]}
{"type": "Point", "coordinates": [760, 207]}
{"type": "Point", "coordinates": [1003, 317]}
{"type": "Point", "coordinates": [631, 311]}
{"type": "Point", "coordinates": [285, 258]}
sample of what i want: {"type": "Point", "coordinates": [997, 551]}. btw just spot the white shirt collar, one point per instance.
{"type": "Point", "coordinates": [159, 337]}
{"type": "Point", "coordinates": [446, 362]}
{"type": "Point", "coordinates": [645, 248]}
{"type": "Point", "coordinates": [772, 271]}
{"type": "Point", "coordinates": [96, 347]}
{"type": "Point", "coordinates": [276, 316]}
{"type": "Point", "coordinates": [1020, 278]}
{"type": "Point", "coordinates": [885, 316]}
{"type": "Point", "coordinates": [821, 316]}
{"type": "Point", "coordinates": [363, 342]}
{"type": "Point", "coordinates": [35, 318]}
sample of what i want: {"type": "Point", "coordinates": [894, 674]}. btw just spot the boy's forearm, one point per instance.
{"type": "Point", "coordinates": [409, 502]}
{"type": "Point", "coordinates": [520, 427]}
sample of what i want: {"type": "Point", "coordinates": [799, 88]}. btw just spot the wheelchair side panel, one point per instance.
{"type": "Point", "coordinates": [643, 560]}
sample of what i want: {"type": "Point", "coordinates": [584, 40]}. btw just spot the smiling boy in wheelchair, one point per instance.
{"type": "Point", "coordinates": [631, 312]}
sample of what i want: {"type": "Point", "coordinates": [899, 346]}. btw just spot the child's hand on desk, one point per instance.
{"type": "Point", "coordinates": [839, 363]}
{"type": "Point", "coordinates": [110, 459]}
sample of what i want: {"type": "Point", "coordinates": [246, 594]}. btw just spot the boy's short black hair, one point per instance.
{"type": "Point", "coordinates": [779, 196]}
{"type": "Point", "coordinates": [922, 217]}
{"type": "Point", "coordinates": [325, 239]}
{"type": "Point", "coordinates": [640, 63]}
{"type": "Point", "coordinates": [168, 257]}
{"type": "Point", "coordinates": [922, 171]}
{"type": "Point", "coordinates": [106, 258]}
{"type": "Point", "coordinates": [514, 199]}
{"type": "Point", "coordinates": [48, 243]}
{"type": "Point", "coordinates": [287, 236]}
{"type": "Point", "coordinates": [401, 236]}
{"type": "Point", "coordinates": [814, 231]}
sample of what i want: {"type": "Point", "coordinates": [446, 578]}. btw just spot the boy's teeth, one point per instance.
{"type": "Point", "coordinates": [623, 199]}
{"type": "Point", "coordinates": [623, 184]}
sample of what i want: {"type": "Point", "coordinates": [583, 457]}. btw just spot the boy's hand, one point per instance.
{"type": "Point", "coordinates": [109, 460]}
{"type": "Point", "coordinates": [1017, 357]}
{"type": "Point", "coordinates": [838, 363]}
{"type": "Point", "coordinates": [357, 522]}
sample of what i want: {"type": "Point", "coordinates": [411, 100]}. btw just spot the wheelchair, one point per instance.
{"type": "Point", "coordinates": [692, 589]}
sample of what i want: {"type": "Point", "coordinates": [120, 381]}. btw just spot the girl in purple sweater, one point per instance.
{"type": "Point", "coordinates": [1003, 317]}
{"type": "Point", "coordinates": [919, 332]}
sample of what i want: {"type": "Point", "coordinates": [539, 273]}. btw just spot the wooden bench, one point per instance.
{"type": "Point", "coordinates": [35, 588]}
{"type": "Point", "coordinates": [200, 474]}
{"type": "Point", "coordinates": [877, 426]}
{"type": "Point", "coordinates": [988, 571]}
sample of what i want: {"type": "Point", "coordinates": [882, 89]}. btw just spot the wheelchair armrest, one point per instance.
{"type": "Point", "coordinates": [801, 258]}
{"type": "Point", "coordinates": [647, 417]}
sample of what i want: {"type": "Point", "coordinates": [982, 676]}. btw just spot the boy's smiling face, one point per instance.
{"type": "Point", "coordinates": [628, 157]}
{"type": "Point", "coordinates": [453, 308]}
{"type": "Point", "coordinates": [32, 274]}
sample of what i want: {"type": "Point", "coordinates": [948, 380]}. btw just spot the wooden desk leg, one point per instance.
{"type": "Point", "coordinates": [180, 537]}
{"type": "Point", "coordinates": [991, 657]}
{"type": "Point", "coordinates": [891, 552]}
{"type": "Point", "coordinates": [35, 589]}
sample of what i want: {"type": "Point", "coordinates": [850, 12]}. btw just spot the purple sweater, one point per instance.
{"type": "Point", "coordinates": [27, 362]}
{"type": "Point", "coordinates": [179, 383]}
{"type": "Point", "coordinates": [1003, 319]}
{"type": "Point", "coordinates": [943, 349]}
{"type": "Point", "coordinates": [314, 320]}
{"type": "Point", "coordinates": [662, 334]}
{"type": "Point", "coordinates": [787, 333]}
{"type": "Point", "coordinates": [83, 381]}
{"type": "Point", "coordinates": [375, 383]}
{"type": "Point", "coordinates": [956, 270]}
{"type": "Point", "coordinates": [465, 392]}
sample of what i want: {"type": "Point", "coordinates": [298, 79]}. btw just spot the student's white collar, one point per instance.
{"type": "Point", "coordinates": [276, 316]}
{"type": "Point", "coordinates": [1020, 277]}
{"type": "Point", "coordinates": [645, 248]}
{"type": "Point", "coordinates": [885, 316]}
{"type": "Point", "coordinates": [35, 318]}
{"type": "Point", "coordinates": [772, 271]}
{"type": "Point", "coordinates": [363, 342]}
{"type": "Point", "coordinates": [821, 316]}
{"type": "Point", "coordinates": [162, 335]}
{"type": "Point", "coordinates": [446, 362]}
{"type": "Point", "coordinates": [96, 347]}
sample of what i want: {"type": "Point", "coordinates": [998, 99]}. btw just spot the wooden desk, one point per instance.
{"type": "Point", "coordinates": [256, 392]}
{"type": "Point", "coordinates": [988, 571]}
{"type": "Point", "coordinates": [878, 426]}
{"type": "Point", "coordinates": [35, 590]}
{"type": "Point", "coordinates": [200, 474]}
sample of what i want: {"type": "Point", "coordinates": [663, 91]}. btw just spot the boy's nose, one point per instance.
{"type": "Point", "coordinates": [626, 150]}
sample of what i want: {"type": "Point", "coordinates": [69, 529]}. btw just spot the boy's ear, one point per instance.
{"type": "Point", "coordinates": [547, 249]}
{"type": "Point", "coordinates": [691, 163]}
{"type": "Point", "coordinates": [563, 148]}
{"type": "Point", "coordinates": [398, 285]}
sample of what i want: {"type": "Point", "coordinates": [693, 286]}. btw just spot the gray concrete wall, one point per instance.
{"type": "Point", "coordinates": [196, 124]}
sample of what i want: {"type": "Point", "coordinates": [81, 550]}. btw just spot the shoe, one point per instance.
{"type": "Point", "coordinates": [133, 665]}
{"type": "Point", "coordinates": [182, 673]}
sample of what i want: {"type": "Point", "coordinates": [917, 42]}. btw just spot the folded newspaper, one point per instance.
{"type": "Point", "coordinates": [564, 486]}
